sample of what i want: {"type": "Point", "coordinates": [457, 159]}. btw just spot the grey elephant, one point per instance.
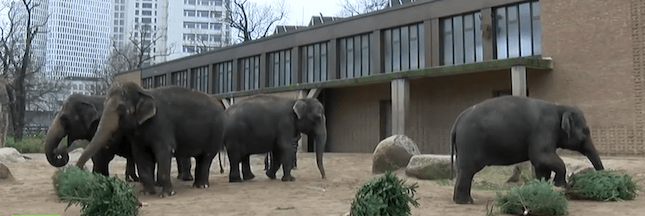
{"type": "Point", "coordinates": [78, 119]}
{"type": "Point", "coordinates": [161, 123]}
{"type": "Point", "coordinates": [267, 123]}
{"type": "Point", "coordinates": [509, 129]}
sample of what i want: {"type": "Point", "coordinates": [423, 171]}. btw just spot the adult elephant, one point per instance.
{"type": "Point", "coordinates": [78, 119]}
{"type": "Point", "coordinates": [161, 123]}
{"type": "Point", "coordinates": [510, 129]}
{"type": "Point", "coordinates": [267, 123]}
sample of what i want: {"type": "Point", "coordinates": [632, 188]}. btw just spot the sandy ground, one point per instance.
{"type": "Point", "coordinates": [33, 193]}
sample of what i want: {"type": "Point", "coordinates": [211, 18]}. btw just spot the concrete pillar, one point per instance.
{"type": "Point", "coordinates": [377, 52]}
{"type": "Point", "coordinates": [263, 71]}
{"type": "Point", "coordinates": [400, 105]}
{"type": "Point", "coordinates": [518, 80]}
{"type": "Point", "coordinates": [435, 52]}
{"type": "Point", "coordinates": [236, 75]}
{"type": "Point", "coordinates": [211, 79]}
{"type": "Point", "coordinates": [296, 63]}
{"type": "Point", "coordinates": [487, 34]}
{"type": "Point", "coordinates": [332, 52]}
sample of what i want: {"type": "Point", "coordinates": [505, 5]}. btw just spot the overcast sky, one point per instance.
{"type": "Point", "coordinates": [306, 9]}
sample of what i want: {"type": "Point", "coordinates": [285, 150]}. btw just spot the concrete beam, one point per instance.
{"type": "Point", "coordinates": [227, 102]}
{"type": "Point", "coordinates": [400, 105]}
{"type": "Point", "coordinates": [518, 80]}
{"type": "Point", "coordinates": [313, 93]}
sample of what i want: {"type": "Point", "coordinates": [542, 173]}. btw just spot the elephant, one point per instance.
{"type": "Point", "coordinates": [511, 129]}
{"type": "Point", "coordinates": [161, 123]}
{"type": "Point", "coordinates": [269, 156]}
{"type": "Point", "coordinates": [267, 123]}
{"type": "Point", "coordinates": [78, 119]}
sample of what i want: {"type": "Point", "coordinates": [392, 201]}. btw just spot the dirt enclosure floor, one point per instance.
{"type": "Point", "coordinates": [33, 193]}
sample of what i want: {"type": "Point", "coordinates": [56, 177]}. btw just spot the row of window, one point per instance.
{"type": "Point", "coordinates": [203, 2]}
{"type": "Point", "coordinates": [515, 32]}
{"type": "Point", "coordinates": [203, 25]}
{"type": "Point", "coordinates": [203, 13]}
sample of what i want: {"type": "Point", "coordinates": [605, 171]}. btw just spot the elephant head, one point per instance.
{"type": "Point", "coordinates": [77, 119]}
{"type": "Point", "coordinates": [310, 120]}
{"type": "Point", "coordinates": [126, 107]}
{"type": "Point", "coordinates": [575, 134]}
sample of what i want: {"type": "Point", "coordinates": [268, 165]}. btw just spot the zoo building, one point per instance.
{"type": "Point", "coordinates": [412, 68]}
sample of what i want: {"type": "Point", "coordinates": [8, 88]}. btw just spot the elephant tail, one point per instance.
{"type": "Point", "coordinates": [453, 142]}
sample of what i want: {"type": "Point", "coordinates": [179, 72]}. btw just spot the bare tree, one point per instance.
{"type": "Point", "coordinates": [356, 7]}
{"type": "Point", "coordinates": [138, 50]}
{"type": "Point", "coordinates": [253, 21]}
{"type": "Point", "coordinates": [15, 54]}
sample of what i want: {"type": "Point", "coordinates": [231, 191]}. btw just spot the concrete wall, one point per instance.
{"type": "Point", "coordinates": [133, 75]}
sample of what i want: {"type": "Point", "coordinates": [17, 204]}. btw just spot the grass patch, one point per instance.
{"type": "Point", "coordinates": [492, 178]}
{"type": "Point", "coordinates": [603, 185]}
{"type": "Point", "coordinates": [386, 195]}
{"type": "Point", "coordinates": [36, 143]}
{"type": "Point", "coordinates": [535, 197]}
{"type": "Point", "coordinates": [95, 193]}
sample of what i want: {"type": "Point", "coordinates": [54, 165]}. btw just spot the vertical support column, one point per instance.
{"type": "Point", "coordinates": [518, 80]}
{"type": "Point", "coordinates": [400, 105]}
{"type": "Point", "coordinates": [435, 50]}
{"type": "Point", "coordinates": [211, 79]}
{"type": "Point", "coordinates": [189, 76]}
{"type": "Point", "coordinates": [377, 52]}
{"type": "Point", "coordinates": [295, 69]}
{"type": "Point", "coordinates": [236, 75]}
{"type": "Point", "coordinates": [263, 71]}
{"type": "Point", "coordinates": [215, 79]}
{"type": "Point", "coordinates": [427, 43]}
{"type": "Point", "coordinates": [332, 53]}
{"type": "Point", "coordinates": [303, 141]}
{"type": "Point", "coordinates": [487, 33]}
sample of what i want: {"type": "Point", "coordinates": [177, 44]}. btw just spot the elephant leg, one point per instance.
{"type": "Point", "coordinates": [183, 168]}
{"type": "Point", "coordinates": [275, 164]}
{"type": "Point", "coordinates": [164, 159]}
{"type": "Point", "coordinates": [246, 168]}
{"type": "Point", "coordinates": [145, 168]}
{"type": "Point", "coordinates": [267, 158]}
{"type": "Point", "coordinates": [234, 160]}
{"type": "Point", "coordinates": [219, 156]}
{"type": "Point", "coordinates": [295, 152]}
{"type": "Point", "coordinates": [130, 172]}
{"type": "Point", "coordinates": [202, 170]}
{"type": "Point", "coordinates": [551, 162]}
{"type": "Point", "coordinates": [286, 150]}
{"type": "Point", "coordinates": [101, 161]}
{"type": "Point", "coordinates": [463, 185]}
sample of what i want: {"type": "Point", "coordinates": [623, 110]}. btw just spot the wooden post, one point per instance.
{"type": "Point", "coordinates": [400, 105]}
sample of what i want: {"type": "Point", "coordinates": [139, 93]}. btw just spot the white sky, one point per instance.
{"type": "Point", "coordinates": [306, 9]}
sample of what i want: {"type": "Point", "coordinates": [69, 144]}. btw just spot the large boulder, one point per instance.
{"type": "Point", "coordinates": [429, 167]}
{"type": "Point", "coordinates": [5, 174]}
{"type": "Point", "coordinates": [393, 153]}
{"type": "Point", "coordinates": [10, 155]}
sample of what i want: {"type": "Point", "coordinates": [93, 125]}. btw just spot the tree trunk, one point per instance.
{"type": "Point", "coordinates": [4, 121]}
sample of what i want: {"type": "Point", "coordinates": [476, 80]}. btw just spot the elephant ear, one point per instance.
{"type": "Point", "coordinates": [145, 108]}
{"type": "Point", "coordinates": [299, 108]}
{"type": "Point", "coordinates": [566, 123]}
{"type": "Point", "coordinates": [89, 114]}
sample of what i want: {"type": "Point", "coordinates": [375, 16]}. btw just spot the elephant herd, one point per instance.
{"type": "Point", "coordinates": [149, 127]}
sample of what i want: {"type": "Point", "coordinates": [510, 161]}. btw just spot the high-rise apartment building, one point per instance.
{"type": "Point", "coordinates": [174, 28]}
{"type": "Point", "coordinates": [78, 39]}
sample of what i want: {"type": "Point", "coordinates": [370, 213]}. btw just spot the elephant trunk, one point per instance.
{"type": "Point", "coordinates": [320, 141]}
{"type": "Point", "coordinates": [56, 156]}
{"type": "Point", "coordinates": [107, 127]}
{"type": "Point", "coordinates": [590, 151]}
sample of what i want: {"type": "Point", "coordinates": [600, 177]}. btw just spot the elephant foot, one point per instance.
{"type": "Point", "coordinates": [234, 179]}
{"type": "Point", "coordinates": [185, 177]}
{"type": "Point", "coordinates": [271, 175]}
{"type": "Point", "coordinates": [196, 185]}
{"type": "Point", "coordinates": [248, 176]}
{"type": "Point", "coordinates": [130, 178]}
{"type": "Point", "coordinates": [288, 178]}
{"type": "Point", "coordinates": [463, 201]}
{"type": "Point", "coordinates": [167, 193]}
{"type": "Point", "coordinates": [147, 193]}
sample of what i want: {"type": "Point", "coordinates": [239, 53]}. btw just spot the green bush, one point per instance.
{"type": "Point", "coordinates": [602, 185]}
{"type": "Point", "coordinates": [95, 193]}
{"type": "Point", "coordinates": [386, 195]}
{"type": "Point", "coordinates": [535, 197]}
